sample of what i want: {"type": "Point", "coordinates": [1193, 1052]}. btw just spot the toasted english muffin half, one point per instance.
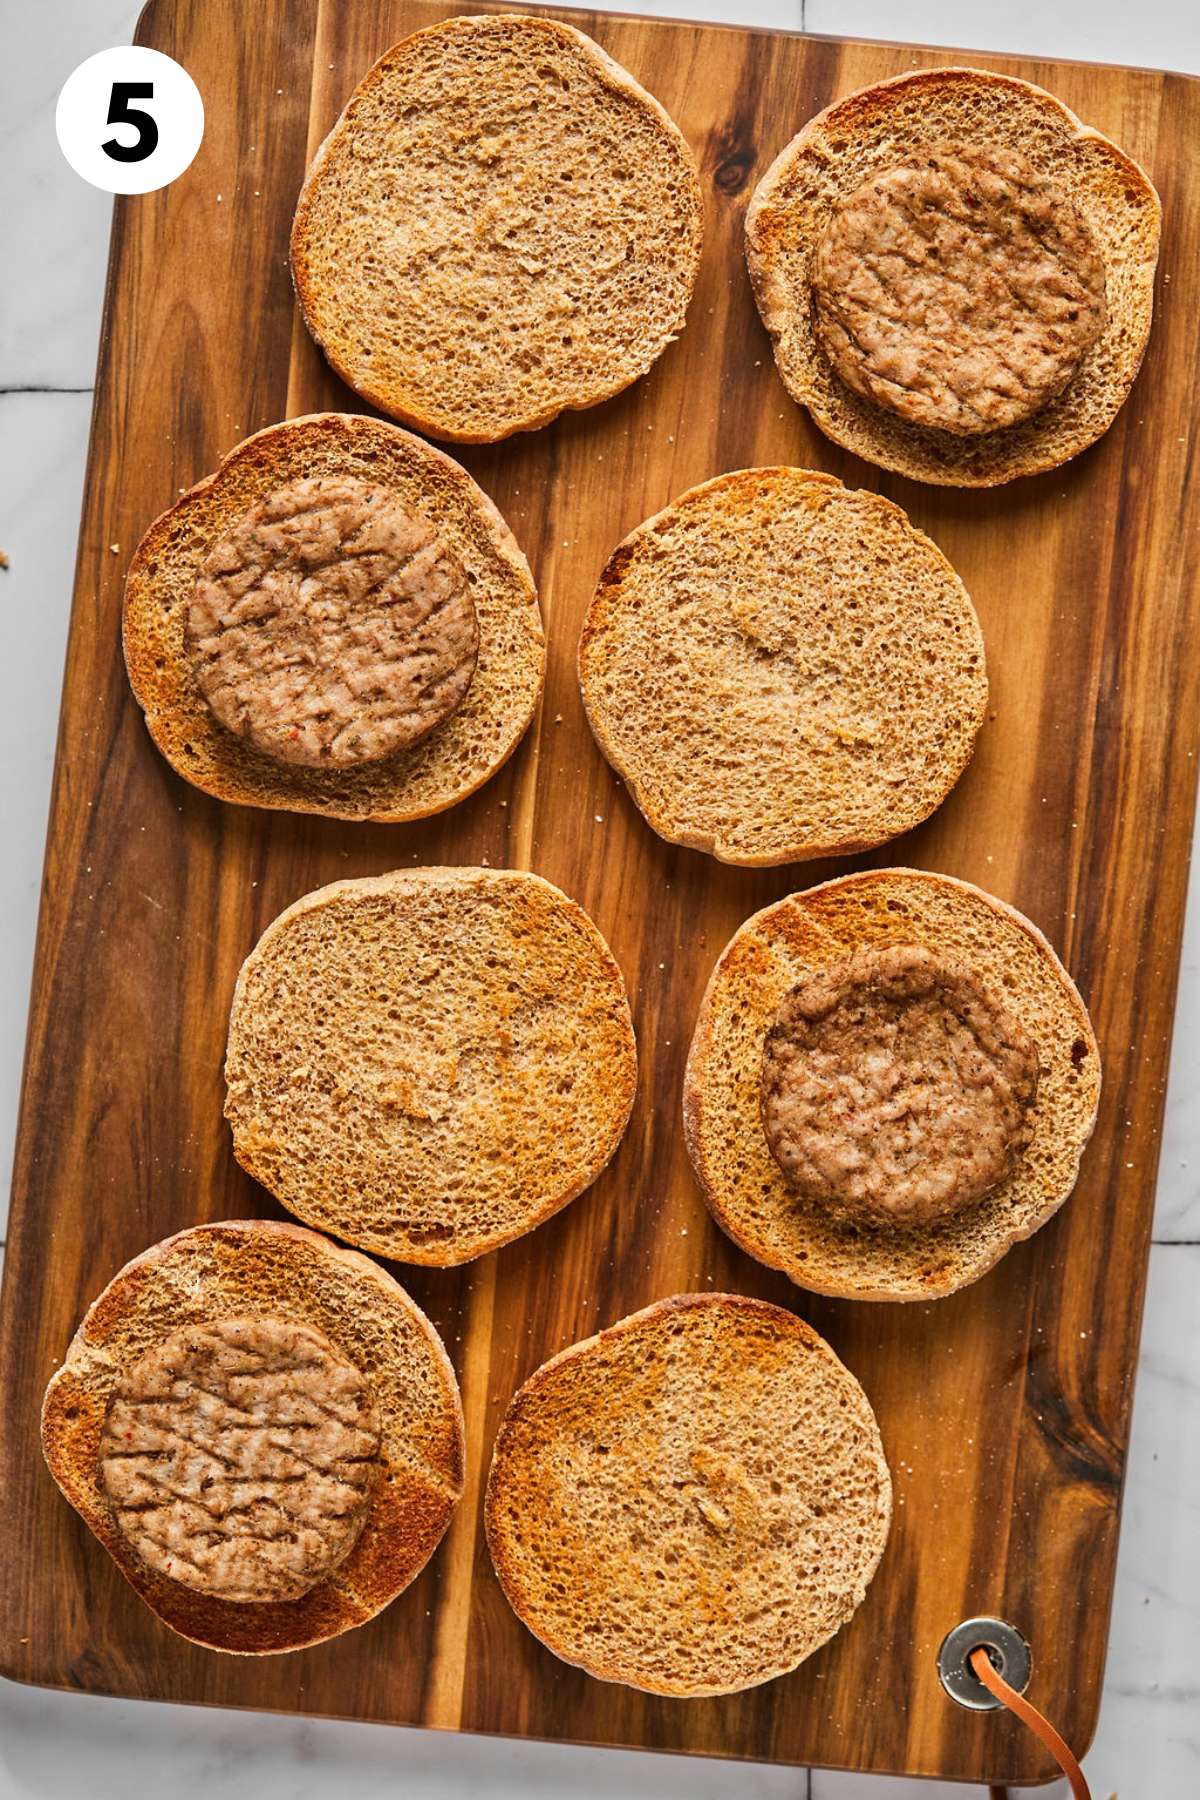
{"type": "Point", "coordinates": [746, 1189]}
{"type": "Point", "coordinates": [899, 125]}
{"type": "Point", "coordinates": [502, 225]}
{"type": "Point", "coordinates": [333, 1311]}
{"type": "Point", "coordinates": [782, 668]}
{"type": "Point", "coordinates": [451, 760]}
{"type": "Point", "coordinates": [691, 1502]}
{"type": "Point", "coordinates": [432, 1062]}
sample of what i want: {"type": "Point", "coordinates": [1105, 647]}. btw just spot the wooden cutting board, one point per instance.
{"type": "Point", "coordinates": [1005, 1410]}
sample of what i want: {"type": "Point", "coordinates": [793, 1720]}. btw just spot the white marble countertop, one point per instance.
{"type": "Point", "coordinates": [58, 1747]}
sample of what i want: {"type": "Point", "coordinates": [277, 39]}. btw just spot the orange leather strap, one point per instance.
{"type": "Point", "coordinates": [981, 1667]}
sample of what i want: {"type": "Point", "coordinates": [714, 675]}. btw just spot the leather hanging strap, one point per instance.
{"type": "Point", "coordinates": [983, 1670]}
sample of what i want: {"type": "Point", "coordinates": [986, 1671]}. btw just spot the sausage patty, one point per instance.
{"type": "Point", "coordinates": [959, 291]}
{"type": "Point", "coordinates": [239, 1457]}
{"type": "Point", "coordinates": [895, 1089]}
{"type": "Point", "coordinates": [331, 626]}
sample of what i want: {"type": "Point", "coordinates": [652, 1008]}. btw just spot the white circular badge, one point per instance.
{"type": "Point", "coordinates": [129, 120]}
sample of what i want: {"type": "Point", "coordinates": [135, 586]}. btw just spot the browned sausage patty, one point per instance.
{"type": "Point", "coordinates": [239, 1457]}
{"type": "Point", "coordinates": [331, 626]}
{"type": "Point", "coordinates": [895, 1089]}
{"type": "Point", "coordinates": [959, 291]}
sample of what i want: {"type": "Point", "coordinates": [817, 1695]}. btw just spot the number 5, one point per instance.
{"type": "Point", "coordinates": [121, 113]}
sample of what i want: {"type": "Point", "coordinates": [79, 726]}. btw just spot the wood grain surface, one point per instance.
{"type": "Point", "coordinates": [1005, 1410]}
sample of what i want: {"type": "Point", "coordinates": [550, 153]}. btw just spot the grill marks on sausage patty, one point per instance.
{"type": "Point", "coordinates": [332, 626]}
{"type": "Point", "coordinates": [239, 1457]}
{"type": "Point", "coordinates": [959, 290]}
{"type": "Point", "coordinates": [896, 1089]}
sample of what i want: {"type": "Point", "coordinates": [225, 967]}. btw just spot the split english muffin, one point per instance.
{"type": "Point", "coordinates": [782, 668]}
{"type": "Point", "coordinates": [337, 621]}
{"type": "Point", "coordinates": [263, 1431]}
{"type": "Point", "coordinates": [429, 1063]}
{"type": "Point", "coordinates": [892, 1080]}
{"type": "Point", "coordinates": [501, 225]}
{"type": "Point", "coordinates": [693, 1501]}
{"type": "Point", "coordinates": [957, 275]}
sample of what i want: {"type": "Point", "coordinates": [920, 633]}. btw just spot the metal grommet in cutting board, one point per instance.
{"type": "Point", "coordinates": [1008, 1650]}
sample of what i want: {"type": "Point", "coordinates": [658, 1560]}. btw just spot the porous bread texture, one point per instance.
{"type": "Point", "coordinates": [501, 225]}
{"type": "Point", "coordinates": [881, 127]}
{"type": "Point", "coordinates": [693, 1501]}
{"type": "Point", "coordinates": [240, 1269]}
{"type": "Point", "coordinates": [782, 668]}
{"type": "Point", "coordinates": [432, 1062]}
{"type": "Point", "coordinates": [745, 1189]}
{"type": "Point", "coordinates": [460, 754]}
